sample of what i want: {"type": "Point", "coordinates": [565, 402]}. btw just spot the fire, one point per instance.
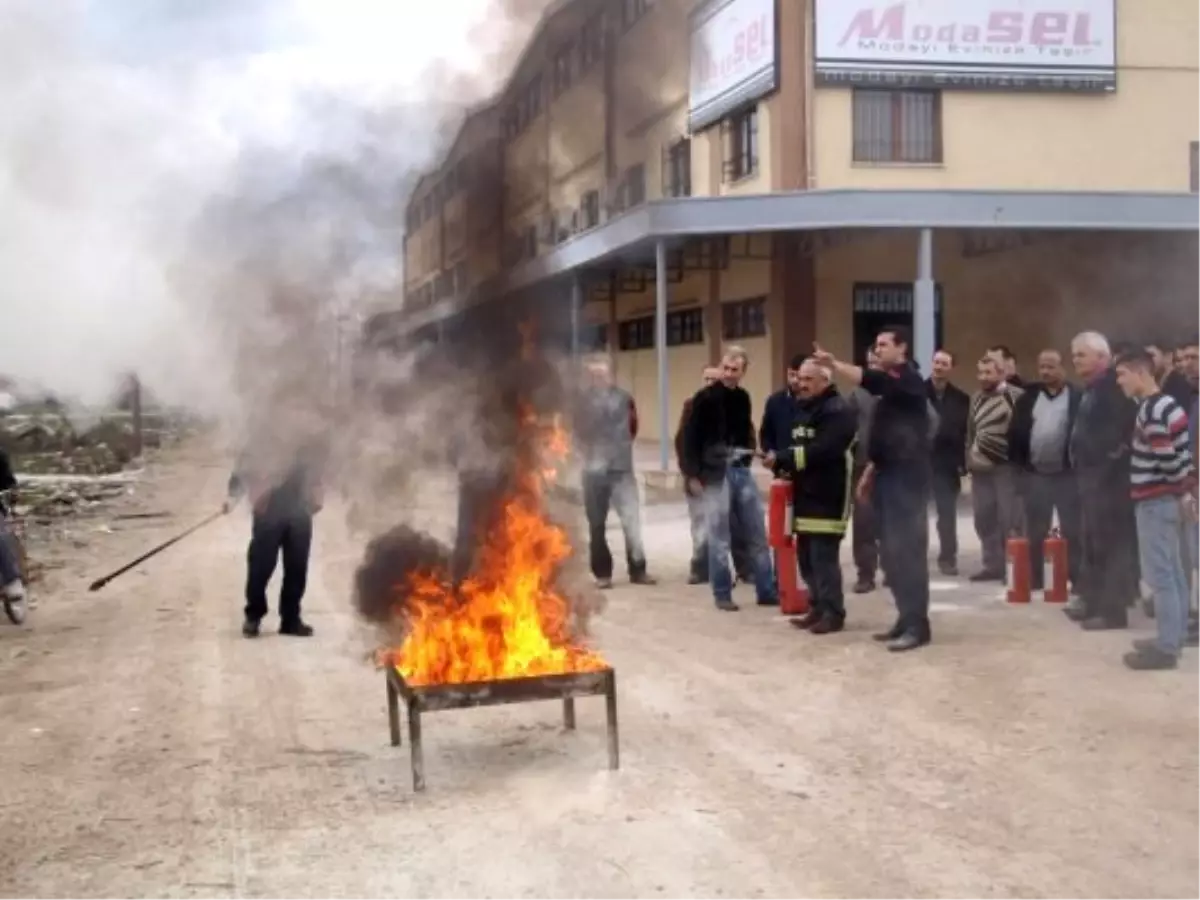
{"type": "Point", "coordinates": [507, 620]}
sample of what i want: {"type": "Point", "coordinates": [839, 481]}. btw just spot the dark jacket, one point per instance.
{"type": "Point", "coordinates": [681, 429]}
{"type": "Point", "coordinates": [949, 451]}
{"type": "Point", "coordinates": [821, 462]}
{"type": "Point", "coordinates": [294, 493]}
{"type": "Point", "coordinates": [720, 422]}
{"type": "Point", "coordinates": [775, 432]}
{"type": "Point", "coordinates": [900, 427]}
{"type": "Point", "coordinates": [1178, 388]}
{"type": "Point", "coordinates": [1103, 426]}
{"type": "Point", "coordinates": [1020, 430]}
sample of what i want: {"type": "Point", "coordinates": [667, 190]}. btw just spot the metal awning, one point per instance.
{"type": "Point", "coordinates": [632, 234]}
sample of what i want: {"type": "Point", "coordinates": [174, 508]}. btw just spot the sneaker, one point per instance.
{"type": "Point", "coordinates": [250, 628]}
{"type": "Point", "coordinates": [299, 628]}
{"type": "Point", "coordinates": [15, 590]}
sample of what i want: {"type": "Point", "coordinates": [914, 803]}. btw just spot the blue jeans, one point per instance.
{"type": "Point", "coordinates": [1159, 522]}
{"type": "Point", "coordinates": [737, 493]}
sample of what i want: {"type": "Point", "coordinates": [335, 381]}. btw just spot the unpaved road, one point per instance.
{"type": "Point", "coordinates": [149, 750]}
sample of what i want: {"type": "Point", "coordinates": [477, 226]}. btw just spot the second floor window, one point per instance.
{"type": "Point", "coordinates": [561, 70]}
{"type": "Point", "coordinates": [901, 126]}
{"type": "Point", "coordinates": [590, 207]}
{"type": "Point", "coordinates": [741, 144]}
{"type": "Point", "coordinates": [591, 41]}
{"type": "Point", "coordinates": [677, 169]}
{"type": "Point", "coordinates": [635, 185]}
{"type": "Point", "coordinates": [744, 319]}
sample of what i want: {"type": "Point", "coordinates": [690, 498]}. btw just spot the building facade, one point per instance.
{"type": "Point", "coordinates": [770, 172]}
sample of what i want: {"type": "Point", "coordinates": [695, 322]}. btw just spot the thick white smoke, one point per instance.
{"type": "Point", "coordinates": [141, 142]}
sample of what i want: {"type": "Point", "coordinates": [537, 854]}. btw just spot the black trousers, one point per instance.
{"type": "Point", "coordinates": [818, 558]}
{"type": "Point", "coordinates": [947, 485]}
{"type": "Point", "coordinates": [901, 499]}
{"type": "Point", "coordinates": [865, 536]}
{"type": "Point", "coordinates": [271, 538]}
{"type": "Point", "coordinates": [1045, 493]}
{"type": "Point", "coordinates": [1107, 574]}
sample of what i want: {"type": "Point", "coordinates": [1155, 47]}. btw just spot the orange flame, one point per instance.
{"type": "Point", "coordinates": [507, 620]}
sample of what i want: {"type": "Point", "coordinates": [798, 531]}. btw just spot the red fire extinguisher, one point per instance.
{"type": "Point", "coordinates": [1055, 569]}
{"type": "Point", "coordinates": [793, 595]}
{"type": "Point", "coordinates": [1016, 573]}
{"type": "Point", "coordinates": [779, 532]}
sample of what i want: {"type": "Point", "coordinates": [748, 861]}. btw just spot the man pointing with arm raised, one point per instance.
{"type": "Point", "coordinates": [898, 451]}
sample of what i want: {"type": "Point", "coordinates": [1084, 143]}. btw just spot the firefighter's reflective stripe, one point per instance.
{"type": "Point", "coordinates": [798, 456]}
{"type": "Point", "coordinates": [819, 526]}
{"type": "Point", "coordinates": [849, 506]}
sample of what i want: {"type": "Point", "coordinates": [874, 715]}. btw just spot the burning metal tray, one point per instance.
{"type": "Point", "coordinates": [432, 698]}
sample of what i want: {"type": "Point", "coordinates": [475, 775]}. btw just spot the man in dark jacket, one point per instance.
{"type": "Point", "coordinates": [949, 461]}
{"type": "Point", "coordinates": [1174, 383]}
{"type": "Point", "coordinates": [775, 432]}
{"type": "Point", "coordinates": [698, 570]}
{"type": "Point", "coordinates": [285, 491]}
{"type": "Point", "coordinates": [1039, 448]}
{"type": "Point", "coordinates": [865, 538]}
{"type": "Point", "coordinates": [606, 427]}
{"type": "Point", "coordinates": [1099, 454]}
{"type": "Point", "coordinates": [820, 462]}
{"type": "Point", "coordinates": [719, 445]}
{"type": "Point", "coordinates": [899, 457]}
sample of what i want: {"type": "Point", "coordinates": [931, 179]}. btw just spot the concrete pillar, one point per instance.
{"type": "Point", "coordinates": [924, 292]}
{"type": "Point", "coordinates": [660, 344]}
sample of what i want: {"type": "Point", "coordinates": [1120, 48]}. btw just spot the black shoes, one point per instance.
{"type": "Point", "coordinates": [299, 628]}
{"type": "Point", "coordinates": [948, 569]}
{"type": "Point", "coordinates": [770, 601]}
{"type": "Point", "coordinates": [1075, 613]}
{"type": "Point", "coordinates": [727, 606]}
{"type": "Point", "coordinates": [909, 640]}
{"type": "Point", "coordinates": [643, 579]}
{"type": "Point", "coordinates": [1099, 623]}
{"type": "Point", "coordinates": [986, 575]}
{"type": "Point", "coordinates": [828, 624]}
{"type": "Point", "coordinates": [864, 586]}
{"type": "Point", "coordinates": [890, 635]}
{"type": "Point", "coordinates": [251, 628]}
{"type": "Point", "coordinates": [808, 620]}
{"type": "Point", "coordinates": [1150, 658]}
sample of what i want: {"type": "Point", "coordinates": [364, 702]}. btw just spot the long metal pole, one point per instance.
{"type": "Point", "coordinates": [660, 343]}
{"type": "Point", "coordinates": [923, 304]}
{"type": "Point", "coordinates": [576, 309]}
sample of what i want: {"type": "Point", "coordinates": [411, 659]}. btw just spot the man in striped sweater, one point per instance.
{"type": "Point", "coordinates": [993, 482]}
{"type": "Point", "coordinates": [1163, 487]}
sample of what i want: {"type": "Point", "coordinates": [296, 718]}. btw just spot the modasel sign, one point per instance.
{"type": "Point", "coordinates": [734, 57]}
{"type": "Point", "coordinates": [1037, 45]}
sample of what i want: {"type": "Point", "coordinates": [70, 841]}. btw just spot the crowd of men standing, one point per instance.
{"type": "Point", "coordinates": [1108, 456]}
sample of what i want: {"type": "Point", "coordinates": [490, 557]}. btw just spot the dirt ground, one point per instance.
{"type": "Point", "coordinates": [149, 750]}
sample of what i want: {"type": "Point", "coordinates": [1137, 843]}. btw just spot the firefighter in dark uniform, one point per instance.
{"type": "Point", "coordinates": [820, 462]}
